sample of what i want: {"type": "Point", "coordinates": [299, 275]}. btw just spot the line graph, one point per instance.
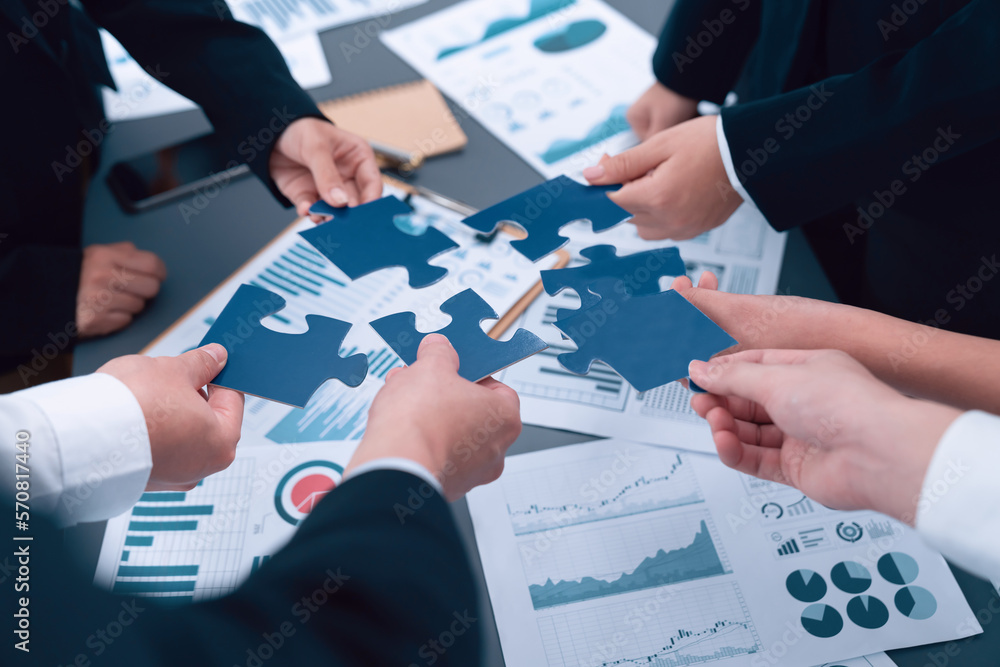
{"type": "Point", "coordinates": [697, 560]}
{"type": "Point", "coordinates": [658, 629]}
{"type": "Point", "coordinates": [622, 483]}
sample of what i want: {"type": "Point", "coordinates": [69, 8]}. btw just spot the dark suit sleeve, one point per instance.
{"type": "Point", "coordinates": [232, 70]}
{"type": "Point", "coordinates": [377, 575]}
{"type": "Point", "coordinates": [39, 294]}
{"type": "Point", "coordinates": [704, 45]}
{"type": "Point", "coordinates": [844, 137]}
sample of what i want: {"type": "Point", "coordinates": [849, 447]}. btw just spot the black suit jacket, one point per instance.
{"type": "Point", "coordinates": [52, 63]}
{"type": "Point", "coordinates": [362, 583]}
{"type": "Point", "coordinates": [877, 118]}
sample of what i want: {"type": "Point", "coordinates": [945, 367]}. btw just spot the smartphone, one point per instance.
{"type": "Point", "coordinates": [172, 173]}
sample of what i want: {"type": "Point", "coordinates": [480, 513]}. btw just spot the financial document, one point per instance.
{"type": "Point", "coordinates": [745, 253]}
{"type": "Point", "coordinates": [182, 547]}
{"type": "Point", "coordinates": [618, 553]}
{"type": "Point", "coordinates": [139, 95]}
{"type": "Point", "coordinates": [282, 19]}
{"type": "Point", "coordinates": [552, 79]}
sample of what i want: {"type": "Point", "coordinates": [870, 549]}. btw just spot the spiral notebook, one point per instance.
{"type": "Point", "coordinates": [412, 117]}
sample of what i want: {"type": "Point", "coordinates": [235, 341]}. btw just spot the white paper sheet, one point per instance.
{"type": "Point", "coordinates": [139, 95]}
{"type": "Point", "coordinates": [233, 522]}
{"type": "Point", "coordinates": [617, 553]}
{"type": "Point", "coordinates": [746, 254]}
{"type": "Point", "coordinates": [552, 79]}
{"type": "Point", "coordinates": [286, 18]}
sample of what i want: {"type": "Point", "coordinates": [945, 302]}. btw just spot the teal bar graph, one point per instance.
{"type": "Point", "coordinates": [138, 540]}
{"type": "Point", "coordinates": [162, 525]}
{"type": "Point", "coordinates": [182, 510]}
{"type": "Point", "coordinates": [153, 586]}
{"type": "Point", "coordinates": [162, 497]}
{"type": "Point", "coordinates": [157, 570]}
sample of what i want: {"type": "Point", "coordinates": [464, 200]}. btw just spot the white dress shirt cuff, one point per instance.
{"type": "Point", "coordinates": [957, 512]}
{"type": "Point", "coordinates": [400, 464]}
{"type": "Point", "coordinates": [99, 461]}
{"type": "Point", "coordinates": [727, 161]}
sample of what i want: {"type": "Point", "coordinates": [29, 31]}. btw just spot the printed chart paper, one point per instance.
{"type": "Point", "coordinates": [139, 95]}
{"type": "Point", "coordinates": [618, 553]}
{"type": "Point", "coordinates": [552, 79]}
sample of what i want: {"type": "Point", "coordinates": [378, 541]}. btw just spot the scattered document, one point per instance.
{"type": "Point", "coordinates": [281, 19]}
{"type": "Point", "coordinates": [182, 547]}
{"type": "Point", "coordinates": [552, 79]}
{"type": "Point", "coordinates": [139, 95]}
{"type": "Point", "coordinates": [618, 553]}
{"type": "Point", "coordinates": [745, 253]}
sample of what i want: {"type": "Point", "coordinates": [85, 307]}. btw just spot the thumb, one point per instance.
{"type": "Point", "coordinates": [436, 349]}
{"type": "Point", "coordinates": [228, 408]}
{"type": "Point", "coordinates": [204, 363]}
{"type": "Point", "coordinates": [629, 165]}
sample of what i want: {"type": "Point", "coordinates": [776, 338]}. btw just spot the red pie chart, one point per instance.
{"type": "Point", "coordinates": [304, 487]}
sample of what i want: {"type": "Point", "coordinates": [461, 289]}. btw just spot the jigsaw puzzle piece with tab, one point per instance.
{"type": "Point", "coordinates": [634, 275]}
{"type": "Point", "coordinates": [365, 239]}
{"type": "Point", "coordinates": [479, 355]}
{"type": "Point", "coordinates": [545, 209]}
{"type": "Point", "coordinates": [649, 340]}
{"type": "Point", "coordinates": [287, 368]}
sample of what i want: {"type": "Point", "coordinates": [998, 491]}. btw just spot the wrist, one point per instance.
{"type": "Point", "coordinates": [379, 444]}
{"type": "Point", "coordinates": [907, 432]}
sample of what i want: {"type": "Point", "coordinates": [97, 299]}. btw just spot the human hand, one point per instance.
{"type": "Point", "coordinates": [116, 280]}
{"type": "Point", "coordinates": [820, 422]}
{"type": "Point", "coordinates": [314, 159]}
{"type": "Point", "coordinates": [659, 108]}
{"type": "Point", "coordinates": [191, 434]}
{"type": "Point", "coordinates": [765, 321]}
{"type": "Point", "coordinates": [674, 183]}
{"type": "Point", "coordinates": [456, 429]}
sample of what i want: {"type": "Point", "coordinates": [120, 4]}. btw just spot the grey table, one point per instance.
{"type": "Point", "coordinates": [203, 250]}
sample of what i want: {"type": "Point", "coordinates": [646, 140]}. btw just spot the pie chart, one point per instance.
{"type": "Point", "coordinates": [851, 577]}
{"type": "Point", "coordinates": [916, 602]}
{"type": "Point", "coordinates": [868, 612]}
{"type": "Point", "coordinates": [806, 586]}
{"type": "Point", "coordinates": [303, 487]}
{"type": "Point", "coordinates": [821, 620]}
{"type": "Point", "coordinates": [898, 568]}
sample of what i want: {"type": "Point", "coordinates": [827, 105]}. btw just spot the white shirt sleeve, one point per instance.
{"type": "Point", "coordinates": [89, 456]}
{"type": "Point", "coordinates": [727, 161]}
{"type": "Point", "coordinates": [959, 508]}
{"type": "Point", "coordinates": [401, 464]}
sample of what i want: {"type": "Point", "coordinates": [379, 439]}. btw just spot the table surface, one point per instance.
{"type": "Point", "coordinates": [205, 249]}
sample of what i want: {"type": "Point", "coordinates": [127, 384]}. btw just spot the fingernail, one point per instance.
{"type": "Point", "coordinates": [594, 173]}
{"type": "Point", "coordinates": [697, 369]}
{"type": "Point", "coordinates": [217, 352]}
{"type": "Point", "coordinates": [338, 197]}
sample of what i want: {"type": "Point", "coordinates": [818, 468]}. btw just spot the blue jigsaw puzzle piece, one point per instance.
{"type": "Point", "coordinates": [479, 355]}
{"type": "Point", "coordinates": [364, 239]}
{"type": "Point", "coordinates": [545, 209]}
{"type": "Point", "coordinates": [287, 368]}
{"type": "Point", "coordinates": [648, 340]}
{"type": "Point", "coordinates": [633, 275]}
